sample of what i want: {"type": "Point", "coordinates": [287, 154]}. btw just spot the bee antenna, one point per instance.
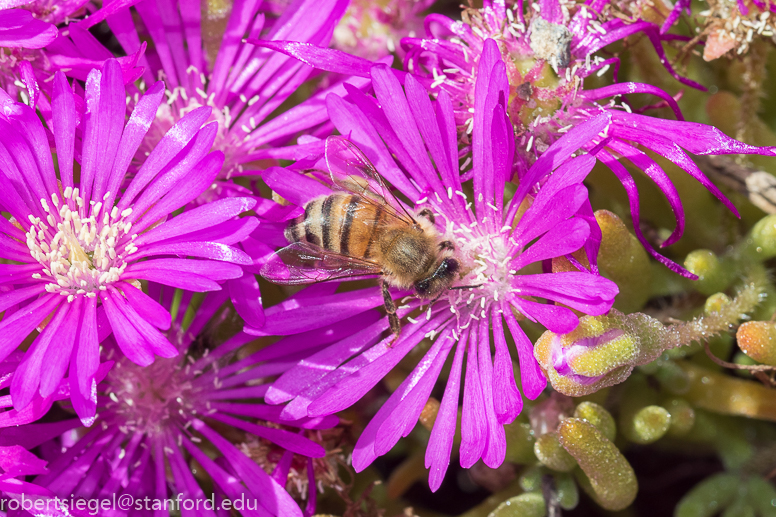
{"type": "Point", "coordinates": [466, 287]}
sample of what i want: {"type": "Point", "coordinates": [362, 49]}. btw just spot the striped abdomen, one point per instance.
{"type": "Point", "coordinates": [342, 223]}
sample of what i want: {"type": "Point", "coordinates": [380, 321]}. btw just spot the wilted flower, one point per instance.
{"type": "Point", "coordinates": [154, 421]}
{"type": "Point", "coordinates": [549, 50]}
{"type": "Point", "coordinates": [80, 249]}
{"type": "Point", "coordinates": [732, 26]}
{"type": "Point", "coordinates": [492, 244]}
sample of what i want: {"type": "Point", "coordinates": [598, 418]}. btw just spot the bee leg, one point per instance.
{"type": "Point", "coordinates": [390, 308]}
{"type": "Point", "coordinates": [427, 214]}
{"type": "Point", "coordinates": [446, 245]}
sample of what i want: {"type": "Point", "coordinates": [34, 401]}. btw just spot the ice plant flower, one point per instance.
{"type": "Point", "coordinates": [154, 421]}
{"type": "Point", "coordinates": [243, 84]}
{"type": "Point", "coordinates": [19, 29]}
{"type": "Point", "coordinates": [20, 36]}
{"type": "Point", "coordinates": [32, 48]}
{"type": "Point", "coordinates": [548, 49]}
{"type": "Point", "coordinates": [16, 463]}
{"type": "Point", "coordinates": [79, 249]}
{"type": "Point", "coordinates": [492, 246]}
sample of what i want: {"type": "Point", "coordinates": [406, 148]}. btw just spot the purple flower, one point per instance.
{"type": "Point", "coordinates": [548, 51]}
{"type": "Point", "coordinates": [16, 463]}
{"type": "Point", "coordinates": [498, 259]}
{"type": "Point", "coordinates": [33, 49]}
{"type": "Point", "coordinates": [80, 250]}
{"type": "Point", "coordinates": [18, 29]}
{"type": "Point", "coordinates": [154, 420]}
{"type": "Point", "coordinates": [243, 84]}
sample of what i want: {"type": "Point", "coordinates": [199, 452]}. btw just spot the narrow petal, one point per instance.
{"type": "Point", "coordinates": [440, 444]}
{"type": "Point", "coordinates": [506, 397]}
{"type": "Point", "coordinates": [531, 376]}
{"type": "Point", "coordinates": [585, 292]}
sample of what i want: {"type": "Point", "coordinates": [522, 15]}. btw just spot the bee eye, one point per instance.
{"type": "Point", "coordinates": [421, 287]}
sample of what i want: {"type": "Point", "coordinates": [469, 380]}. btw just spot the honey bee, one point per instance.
{"type": "Point", "coordinates": [362, 230]}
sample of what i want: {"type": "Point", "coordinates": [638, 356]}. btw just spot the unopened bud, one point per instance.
{"type": "Point", "coordinates": [600, 352]}
{"type": "Point", "coordinates": [713, 274]}
{"type": "Point", "coordinates": [758, 340]}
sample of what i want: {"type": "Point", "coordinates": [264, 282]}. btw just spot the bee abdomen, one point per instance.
{"type": "Point", "coordinates": [324, 223]}
{"type": "Point", "coordinates": [342, 223]}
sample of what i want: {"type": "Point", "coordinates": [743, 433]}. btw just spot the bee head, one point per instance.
{"type": "Point", "coordinates": [439, 281]}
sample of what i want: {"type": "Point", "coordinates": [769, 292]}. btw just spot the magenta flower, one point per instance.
{"type": "Point", "coordinates": [33, 49]}
{"type": "Point", "coordinates": [548, 50]}
{"type": "Point", "coordinates": [80, 250]}
{"type": "Point", "coordinates": [242, 84]}
{"type": "Point", "coordinates": [494, 255]}
{"type": "Point", "coordinates": [153, 420]}
{"type": "Point", "coordinates": [18, 29]}
{"type": "Point", "coordinates": [551, 51]}
{"type": "Point", "coordinates": [16, 463]}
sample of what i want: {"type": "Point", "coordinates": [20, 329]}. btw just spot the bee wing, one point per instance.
{"type": "Point", "coordinates": [351, 170]}
{"type": "Point", "coordinates": [305, 263]}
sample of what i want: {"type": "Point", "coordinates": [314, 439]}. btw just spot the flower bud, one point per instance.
{"type": "Point", "coordinates": [603, 350]}
{"type": "Point", "coordinates": [713, 274]}
{"type": "Point", "coordinates": [758, 340]}
{"type": "Point", "coordinates": [600, 352]}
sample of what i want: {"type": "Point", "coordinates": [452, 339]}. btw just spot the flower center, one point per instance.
{"type": "Point", "coordinates": [181, 101]}
{"type": "Point", "coordinates": [78, 253]}
{"type": "Point", "coordinates": [485, 260]}
{"type": "Point", "coordinates": [150, 399]}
